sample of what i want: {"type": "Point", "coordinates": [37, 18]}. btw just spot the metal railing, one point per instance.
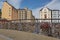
{"type": "Point", "coordinates": [33, 27]}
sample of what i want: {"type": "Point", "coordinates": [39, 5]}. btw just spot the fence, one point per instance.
{"type": "Point", "coordinates": [33, 26]}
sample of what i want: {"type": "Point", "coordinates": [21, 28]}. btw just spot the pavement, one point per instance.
{"type": "Point", "coordinates": [2, 37]}
{"type": "Point", "coordinates": [19, 35]}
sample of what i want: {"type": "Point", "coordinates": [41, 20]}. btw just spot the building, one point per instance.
{"type": "Point", "coordinates": [9, 12]}
{"type": "Point", "coordinates": [49, 15]}
{"type": "Point", "coordinates": [55, 15]}
{"type": "Point", "coordinates": [45, 13]}
{"type": "Point", "coordinates": [0, 13]}
{"type": "Point", "coordinates": [22, 15]}
{"type": "Point", "coordinates": [25, 14]}
{"type": "Point", "coordinates": [33, 19]}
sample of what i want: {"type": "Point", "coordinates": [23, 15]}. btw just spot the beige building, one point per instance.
{"type": "Point", "coordinates": [9, 12]}
{"type": "Point", "coordinates": [25, 14]}
{"type": "Point", "coordinates": [33, 18]}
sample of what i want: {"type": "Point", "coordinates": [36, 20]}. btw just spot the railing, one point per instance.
{"type": "Point", "coordinates": [33, 26]}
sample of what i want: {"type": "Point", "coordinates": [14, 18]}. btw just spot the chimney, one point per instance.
{"type": "Point", "coordinates": [26, 8]}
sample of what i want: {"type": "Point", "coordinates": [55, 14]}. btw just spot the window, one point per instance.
{"type": "Point", "coordinates": [9, 14]}
{"type": "Point", "coordinates": [9, 11]}
{"type": "Point", "coordinates": [45, 16]}
{"type": "Point", "coordinates": [45, 12]}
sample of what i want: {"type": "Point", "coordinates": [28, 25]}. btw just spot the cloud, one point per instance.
{"type": "Point", "coordinates": [36, 12]}
{"type": "Point", "coordinates": [15, 3]}
{"type": "Point", "coordinates": [54, 4]}
{"type": "Point", "coordinates": [1, 3]}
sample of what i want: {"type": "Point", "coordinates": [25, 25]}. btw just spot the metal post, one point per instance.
{"type": "Point", "coordinates": [37, 27]}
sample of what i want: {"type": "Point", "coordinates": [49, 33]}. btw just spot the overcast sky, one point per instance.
{"type": "Point", "coordinates": [34, 5]}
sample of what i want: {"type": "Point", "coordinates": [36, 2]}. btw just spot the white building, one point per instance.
{"type": "Point", "coordinates": [55, 15]}
{"type": "Point", "coordinates": [48, 15]}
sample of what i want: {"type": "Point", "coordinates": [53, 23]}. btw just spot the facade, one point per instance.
{"type": "Point", "coordinates": [45, 13]}
{"type": "Point", "coordinates": [25, 14]}
{"type": "Point", "coordinates": [55, 15]}
{"type": "Point", "coordinates": [11, 13]}
{"type": "Point", "coordinates": [49, 15]}
{"type": "Point", "coordinates": [33, 18]}
{"type": "Point", "coordinates": [22, 15]}
{"type": "Point", "coordinates": [30, 16]}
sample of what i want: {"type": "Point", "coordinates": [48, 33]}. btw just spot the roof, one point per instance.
{"type": "Point", "coordinates": [55, 10]}
{"type": "Point", "coordinates": [46, 7]}
{"type": "Point", "coordinates": [24, 9]}
{"type": "Point", "coordinates": [50, 9]}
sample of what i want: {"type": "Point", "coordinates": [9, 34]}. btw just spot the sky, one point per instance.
{"type": "Point", "coordinates": [34, 5]}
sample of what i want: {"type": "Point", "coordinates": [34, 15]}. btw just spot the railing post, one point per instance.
{"type": "Point", "coordinates": [8, 25]}
{"type": "Point", "coordinates": [37, 27]}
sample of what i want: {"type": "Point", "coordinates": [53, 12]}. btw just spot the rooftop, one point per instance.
{"type": "Point", "coordinates": [49, 9]}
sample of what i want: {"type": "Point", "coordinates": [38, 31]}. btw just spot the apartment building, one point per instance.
{"type": "Point", "coordinates": [9, 12]}
{"type": "Point", "coordinates": [25, 14]}
{"type": "Point", "coordinates": [46, 13]}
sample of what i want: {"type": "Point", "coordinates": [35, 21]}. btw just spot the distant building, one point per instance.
{"type": "Point", "coordinates": [21, 14]}
{"type": "Point", "coordinates": [25, 14]}
{"type": "Point", "coordinates": [11, 13]}
{"type": "Point", "coordinates": [46, 13]}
